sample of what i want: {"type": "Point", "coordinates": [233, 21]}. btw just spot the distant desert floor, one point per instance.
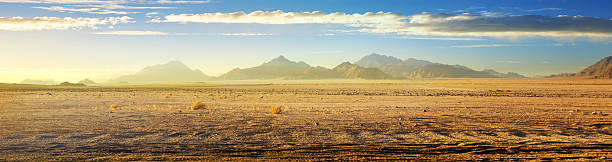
{"type": "Point", "coordinates": [456, 119]}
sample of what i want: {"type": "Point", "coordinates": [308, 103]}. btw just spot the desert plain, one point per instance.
{"type": "Point", "coordinates": [437, 119]}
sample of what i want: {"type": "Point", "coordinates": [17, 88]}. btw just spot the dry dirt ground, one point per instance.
{"type": "Point", "coordinates": [455, 119]}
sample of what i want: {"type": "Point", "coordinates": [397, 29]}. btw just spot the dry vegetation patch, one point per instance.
{"type": "Point", "coordinates": [276, 109]}
{"type": "Point", "coordinates": [198, 105]}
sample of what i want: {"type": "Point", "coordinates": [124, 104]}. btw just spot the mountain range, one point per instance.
{"type": "Point", "coordinates": [373, 66]}
{"type": "Point", "coordinates": [282, 68]}
{"type": "Point", "coordinates": [414, 69]}
{"type": "Point", "coordinates": [171, 72]}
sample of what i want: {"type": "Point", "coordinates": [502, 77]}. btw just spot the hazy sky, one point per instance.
{"type": "Point", "coordinates": [100, 39]}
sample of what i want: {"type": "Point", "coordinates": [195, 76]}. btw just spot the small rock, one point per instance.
{"type": "Point", "coordinates": [361, 124]}
{"type": "Point", "coordinates": [400, 119]}
{"type": "Point", "coordinates": [180, 111]}
{"type": "Point", "coordinates": [316, 123]}
{"type": "Point", "coordinates": [594, 113]}
{"type": "Point", "coordinates": [424, 110]}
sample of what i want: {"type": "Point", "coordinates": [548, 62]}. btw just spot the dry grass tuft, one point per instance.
{"type": "Point", "coordinates": [276, 109]}
{"type": "Point", "coordinates": [222, 96]}
{"type": "Point", "coordinates": [114, 107]}
{"type": "Point", "coordinates": [198, 105]}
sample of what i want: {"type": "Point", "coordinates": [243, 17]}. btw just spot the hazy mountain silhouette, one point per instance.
{"type": "Point", "coordinates": [392, 65]}
{"type": "Point", "coordinates": [448, 71]}
{"type": "Point", "coordinates": [87, 82]}
{"type": "Point", "coordinates": [354, 71]}
{"type": "Point", "coordinates": [171, 72]}
{"type": "Point", "coordinates": [504, 75]}
{"type": "Point", "coordinates": [282, 68]}
{"type": "Point", "coordinates": [602, 69]}
{"type": "Point", "coordinates": [65, 83]}
{"type": "Point", "coordinates": [413, 68]}
{"type": "Point", "coordinates": [39, 81]}
{"type": "Point", "coordinates": [277, 68]}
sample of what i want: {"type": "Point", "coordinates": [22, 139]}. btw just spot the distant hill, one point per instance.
{"type": "Point", "coordinates": [282, 68]}
{"type": "Point", "coordinates": [354, 71]}
{"type": "Point", "coordinates": [171, 72]}
{"type": "Point", "coordinates": [72, 84]}
{"type": "Point", "coordinates": [448, 71]}
{"type": "Point", "coordinates": [392, 65]}
{"type": "Point", "coordinates": [412, 68]}
{"type": "Point", "coordinates": [87, 82]}
{"type": "Point", "coordinates": [39, 81]}
{"type": "Point", "coordinates": [504, 75]}
{"type": "Point", "coordinates": [602, 69]}
{"type": "Point", "coordinates": [277, 68]}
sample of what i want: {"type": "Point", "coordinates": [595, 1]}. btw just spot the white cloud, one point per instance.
{"type": "Point", "coordinates": [55, 23]}
{"type": "Point", "coordinates": [545, 9]}
{"type": "Point", "coordinates": [424, 24]}
{"type": "Point", "coordinates": [245, 34]}
{"type": "Point", "coordinates": [85, 10]}
{"type": "Point", "coordinates": [179, 2]}
{"type": "Point", "coordinates": [61, 1]}
{"type": "Point", "coordinates": [117, 6]}
{"type": "Point", "coordinates": [487, 45]}
{"type": "Point", "coordinates": [60, 8]}
{"type": "Point", "coordinates": [443, 38]}
{"type": "Point", "coordinates": [131, 32]}
{"type": "Point", "coordinates": [279, 17]}
{"type": "Point", "coordinates": [104, 1]}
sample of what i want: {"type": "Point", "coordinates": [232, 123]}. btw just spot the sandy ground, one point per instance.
{"type": "Point", "coordinates": [478, 119]}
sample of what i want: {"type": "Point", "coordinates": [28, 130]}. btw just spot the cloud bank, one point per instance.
{"type": "Point", "coordinates": [85, 10]}
{"type": "Point", "coordinates": [507, 26]}
{"type": "Point", "coordinates": [423, 24]}
{"type": "Point", "coordinates": [61, 1]}
{"type": "Point", "coordinates": [487, 45]}
{"type": "Point", "coordinates": [131, 32]}
{"type": "Point", "coordinates": [55, 23]}
{"type": "Point", "coordinates": [103, 1]}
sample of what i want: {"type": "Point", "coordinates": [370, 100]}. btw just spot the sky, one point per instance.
{"type": "Point", "coordinates": [69, 40]}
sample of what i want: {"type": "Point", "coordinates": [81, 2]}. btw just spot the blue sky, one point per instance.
{"type": "Point", "coordinates": [99, 39]}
